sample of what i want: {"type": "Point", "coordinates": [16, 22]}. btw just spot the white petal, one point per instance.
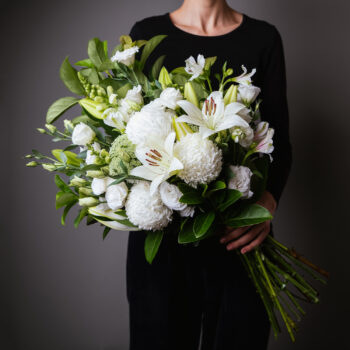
{"type": "Point", "coordinates": [175, 165]}
{"type": "Point", "coordinates": [143, 172]}
{"type": "Point", "coordinates": [187, 119]}
{"type": "Point", "coordinates": [190, 109]}
{"type": "Point", "coordinates": [205, 132]}
{"type": "Point", "coordinates": [169, 143]}
{"type": "Point", "coordinates": [156, 182]}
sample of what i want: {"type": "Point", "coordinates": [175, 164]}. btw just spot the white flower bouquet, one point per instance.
{"type": "Point", "coordinates": [166, 153]}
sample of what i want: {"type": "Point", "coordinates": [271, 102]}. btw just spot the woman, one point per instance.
{"type": "Point", "coordinates": [202, 295]}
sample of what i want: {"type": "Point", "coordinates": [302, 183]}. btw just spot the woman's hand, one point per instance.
{"type": "Point", "coordinates": [250, 236]}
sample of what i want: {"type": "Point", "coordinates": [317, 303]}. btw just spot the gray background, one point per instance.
{"type": "Point", "coordinates": [63, 288]}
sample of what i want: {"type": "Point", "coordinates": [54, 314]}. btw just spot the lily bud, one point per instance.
{"type": "Point", "coordinates": [92, 107]}
{"type": "Point", "coordinates": [95, 173]}
{"type": "Point", "coordinates": [85, 191]}
{"type": "Point", "coordinates": [42, 131]}
{"type": "Point", "coordinates": [49, 167]}
{"type": "Point", "coordinates": [32, 164]}
{"type": "Point", "coordinates": [68, 125]}
{"type": "Point", "coordinates": [190, 94]}
{"type": "Point", "coordinates": [164, 78]}
{"type": "Point", "coordinates": [88, 201]}
{"type": "Point", "coordinates": [181, 128]}
{"type": "Point", "coordinates": [231, 94]}
{"type": "Point", "coordinates": [51, 128]}
{"type": "Point", "coordinates": [77, 181]}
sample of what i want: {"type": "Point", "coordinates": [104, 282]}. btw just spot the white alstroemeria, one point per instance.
{"type": "Point", "coordinates": [90, 157]}
{"type": "Point", "coordinates": [115, 118]}
{"type": "Point", "coordinates": [265, 145]}
{"type": "Point", "coordinates": [126, 56]}
{"type": "Point", "coordinates": [159, 161]}
{"type": "Point", "coordinates": [195, 68]}
{"type": "Point", "coordinates": [82, 134]}
{"type": "Point", "coordinates": [242, 135]}
{"type": "Point", "coordinates": [241, 180]}
{"type": "Point", "coordinates": [245, 77]}
{"type": "Point", "coordinates": [248, 93]}
{"type": "Point", "coordinates": [214, 116]}
{"type": "Point", "coordinates": [169, 97]}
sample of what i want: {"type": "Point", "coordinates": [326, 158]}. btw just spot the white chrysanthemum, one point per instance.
{"type": "Point", "coordinates": [147, 123]}
{"type": "Point", "coordinates": [201, 158]}
{"type": "Point", "coordinates": [147, 211]}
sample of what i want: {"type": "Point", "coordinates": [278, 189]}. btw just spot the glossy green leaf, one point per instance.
{"type": "Point", "coordinates": [187, 235]}
{"type": "Point", "coordinates": [85, 63]}
{"type": "Point", "coordinates": [66, 210]}
{"type": "Point", "coordinates": [149, 47]}
{"type": "Point", "coordinates": [202, 223]}
{"type": "Point", "coordinates": [64, 198]}
{"type": "Point", "coordinates": [251, 215]}
{"type": "Point", "coordinates": [82, 213]}
{"type": "Point", "coordinates": [70, 78]}
{"type": "Point", "coordinates": [152, 243]}
{"type": "Point", "coordinates": [191, 198]}
{"type": "Point", "coordinates": [157, 66]}
{"type": "Point", "coordinates": [96, 52]}
{"type": "Point", "coordinates": [59, 107]}
{"type": "Point", "coordinates": [231, 197]}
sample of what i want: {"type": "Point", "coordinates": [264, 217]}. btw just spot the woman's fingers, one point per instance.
{"type": "Point", "coordinates": [252, 233]}
{"type": "Point", "coordinates": [231, 234]}
{"type": "Point", "coordinates": [258, 240]}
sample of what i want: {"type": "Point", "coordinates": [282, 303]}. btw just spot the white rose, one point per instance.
{"type": "Point", "coordinates": [82, 134]}
{"type": "Point", "coordinates": [170, 195]}
{"type": "Point", "coordinates": [90, 157]}
{"type": "Point", "coordinates": [127, 56]}
{"type": "Point", "coordinates": [116, 195]}
{"type": "Point", "coordinates": [241, 180]}
{"type": "Point", "coordinates": [99, 186]}
{"type": "Point", "coordinates": [248, 93]}
{"type": "Point", "coordinates": [188, 211]}
{"type": "Point", "coordinates": [170, 96]}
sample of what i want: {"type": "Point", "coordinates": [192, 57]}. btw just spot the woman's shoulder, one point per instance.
{"type": "Point", "coordinates": [148, 26]}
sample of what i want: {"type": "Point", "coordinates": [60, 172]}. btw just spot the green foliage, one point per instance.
{"type": "Point", "coordinates": [149, 47]}
{"type": "Point", "coordinates": [152, 243]}
{"type": "Point", "coordinates": [59, 107]}
{"type": "Point", "coordinates": [70, 78]}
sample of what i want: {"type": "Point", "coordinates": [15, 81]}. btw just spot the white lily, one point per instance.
{"type": "Point", "coordinates": [245, 77]}
{"type": "Point", "coordinates": [195, 68]}
{"type": "Point", "coordinates": [159, 161]}
{"type": "Point", "coordinates": [214, 116]}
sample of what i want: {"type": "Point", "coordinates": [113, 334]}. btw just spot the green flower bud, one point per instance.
{"type": "Point", "coordinates": [49, 167]}
{"type": "Point", "coordinates": [32, 164]}
{"type": "Point", "coordinates": [98, 99]}
{"type": "Point", "coordinates": [85, 191]}
{"type": "Point", "coordinates": [110, 90]}
{"type": "Point", "coordinates": [190, 94]}
{"type": "Point", "coordinates": [229, 72]}
{"type": "Point", "coordinates": [77, 181]}
{"type": "Point", "coordinates": [68, 125]}
{"type": "Point", "coordinates": [95, 173]}
{"type": "Point", "coordinates": [231, 94]}
{"type": "Point", "coordinates": [104, 153]}
{"type": "Point", "coordinates": [105, 170]}
{"type": "Point", "coordinates": [28, 156]}
{"type": "Point", "coordinates": [51, 128]}
{"type": "Point", "coordinates": [42, 131]}
{"type": "Point", "coordinates": [88, 202]}
{"type": "Point", "coordinates": [164, 78]}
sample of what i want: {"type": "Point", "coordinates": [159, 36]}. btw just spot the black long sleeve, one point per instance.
{"type": "Point", "coordinates": [255, 44]}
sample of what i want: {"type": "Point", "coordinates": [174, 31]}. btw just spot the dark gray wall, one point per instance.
{"type": "Point", "coordinates": [63, 288]}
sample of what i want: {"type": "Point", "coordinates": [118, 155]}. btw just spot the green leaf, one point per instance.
{"type": "Point", "coordinates": [209, 61]}
{"type": "Point", "coordinates": [232, 196]}
{"type": "Point", "coordinates": [69, 77]}
{"type": "Point", "coordinates": [187, 235]}
{"type": "Point", "coordinates": [217, 186]}
{"type": "Point", "coordinates": [62, 185]}
{"type": "Point", "coordinates": [180, 70]}
{"type": "Point", "coordinates": [152, 243]}
{"type": "Point", "coordinates": [66, 210]}
{"type": "Point", "coordinates": [96, 52]}
{"type": "Point", "coordinates": [59, 107]}
{"type": "Point", "coordinates": [157, 67]}
{"type": "Point", "coordinates": [64, 198]}
{"type": "Point", "coordinates": [251, 215]}
{"type": "Point", "coordinates": [184, 188]}
{"type": "Point", "coordinates": [105, 232]}
{"type": "Point", "coordinates": [202, 223]}
{"type": "Point", "coordinates": [191, 198]}
{"type": "Point", "coordinates": [118, 179]}
{"type": "Point", "coordinates": [91, 75]}
{"type": "Point", "coordinates": [85, 63]}
{"type": "Point", "coordinates": [149, 47]}
{"type": "Point", "coordinates": [82, 213]}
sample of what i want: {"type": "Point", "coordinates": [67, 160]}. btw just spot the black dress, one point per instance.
{"type": "Point", "coordinates": [202, 295]}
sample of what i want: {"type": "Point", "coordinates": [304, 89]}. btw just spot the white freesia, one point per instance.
{"type": "Point", "coordinates": [82, 134]}
{"type": "Point", "coordinates": [171, 195]}
{"type": "Point", "coordinates": [187, 212]}
{"type": "Point", "coordinates": [116, 195]}
{"type": "Point", "coordinates": [147, 210]}
{"type": "Point", "coordinates": [201, 159]}
{"type": "Point", "coordinates": [90, 157]}
{"type": "Point", "coordinates": [158, 161]}
{"type": "Point", "coordinates": [126, 56]}
{"type": "Point", "coordinates": [241, 180]}
{"type": "Point", "coordinates": [242, 135]}
{"type": "Point", "coordinates": [245, 77]}
{"type": "Point", "coordinates": [195, 68]}
{"type": "Point", "coordinates": [149, 122]}
{"type": "Point", "coordinates": [115, 118]}
{"type": "Point", "coordinates": [214, 116]}
{"type": "Point", "coordinates": [248, 93]}
{"type": "Point", "coordinates": [170, 96]}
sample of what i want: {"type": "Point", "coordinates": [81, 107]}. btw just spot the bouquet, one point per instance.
{"type": "Point", "coordinates": [165, 151]}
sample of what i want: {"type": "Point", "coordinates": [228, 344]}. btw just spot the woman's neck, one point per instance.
{"type": "Point", "coordinates": [206, 17]}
